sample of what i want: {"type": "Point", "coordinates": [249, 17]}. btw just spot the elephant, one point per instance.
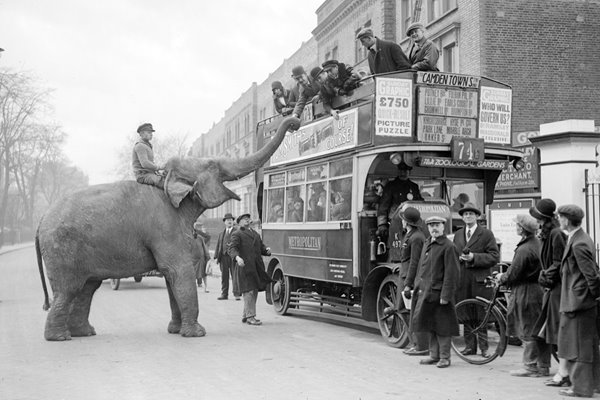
{"type": "Point", "coordinates": [122, 229]}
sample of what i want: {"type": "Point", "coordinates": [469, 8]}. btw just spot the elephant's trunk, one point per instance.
{"type": "Point", "coordinates": [236, 168]}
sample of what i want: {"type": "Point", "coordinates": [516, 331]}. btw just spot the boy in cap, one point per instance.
{"type": "Point", "coordinates": [422, 53]}
{"type": "Point", "coordinates": [144, 168]}
{"type": "Point", "coordinates": [246, 249]}
{"type": "Point", "coordinates": [384, 56]}
{"type": "Point", "coordinates": [309, 89]}
{"type": "Point", "coordinates": [283, 99]}
{"type": "Point", "coordinates": [578, 334]}
{"type": "Point", "coordinates": [435, 287]}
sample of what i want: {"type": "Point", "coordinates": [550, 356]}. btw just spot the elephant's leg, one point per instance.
{"type": "Point", "coordinates": [79, 324]}
{"type": "Point", "coordinates": [183, 287]}
{"type": "Point", "coordinates": [175, 323]}
{"type": "Point", "coordinates": [58, 317]}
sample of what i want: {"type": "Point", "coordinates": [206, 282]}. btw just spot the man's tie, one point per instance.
{"type": "Point", "coordinates": [468, 235]}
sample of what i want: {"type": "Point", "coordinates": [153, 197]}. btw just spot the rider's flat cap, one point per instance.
{"type": "Point", "coordinates": [146, 127]}
{"type": "Point", "coordinates": [329, 64]}
{"type": "Point", "coordinates": [242, 217]}
{"type": "Point", "coordinates": [526, 222]}
{"type": "Point", "coordinates": [298, 71]}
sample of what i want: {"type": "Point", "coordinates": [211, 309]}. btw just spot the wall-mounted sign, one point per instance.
{"type": "Point", "coordinates": [393, 107]}
{"type": "Point", "coordinates": [442, 129]}
{"type": "Point", "coordinates": [495, 115]}
{"type": "Point", "coordinates": [467, 149]}
{"type": "Point", "coordinates": [444, 162]}
{"type": "Point", "coordinates": [447, 102]}
{"type": "Point", "coordinates": [526, 178]}
{"type": "Point", "coordinates": [322, 137]}
{"type": "Point", "coordinates": [444, 78]}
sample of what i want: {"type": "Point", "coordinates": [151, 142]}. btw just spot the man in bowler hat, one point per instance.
{"type": "Point", "coordinates": [144, 168]}
{"type": "Point", "coordinates": [226, 264]}
{"type": "Point", "coordinates": [246, 249]}
{"type": "Point", "coordinates": [384, 56]}
{"type": "Point", "coordinates": [478, 254]}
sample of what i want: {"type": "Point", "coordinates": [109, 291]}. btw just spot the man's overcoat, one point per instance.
{"type": "Point", "coordinates": [247, 244]}
{"type": "Point", "coordinates": [389, 57]}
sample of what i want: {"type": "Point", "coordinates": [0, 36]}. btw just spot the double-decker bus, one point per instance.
{"type": "Point", "coordinates": [319, 193]}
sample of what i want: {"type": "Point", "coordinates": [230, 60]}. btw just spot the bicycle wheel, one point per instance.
{"type": "Point", "coordinates": [482, 327]}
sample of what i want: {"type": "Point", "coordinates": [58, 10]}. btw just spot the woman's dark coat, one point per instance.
{"type": "Point", "coordinates": [247, 244]}
{"type": "Point", "coordinates": [200, 253]}
{"type": "Point", "coordinates": [437, 277]}
{"type": "Point", "coordinates": [525, 301]}
{"type": "Point", "coordinates": [553, 247]}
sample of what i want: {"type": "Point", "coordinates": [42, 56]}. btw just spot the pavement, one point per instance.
{"type": "Point", "coordinates": [14, 247]}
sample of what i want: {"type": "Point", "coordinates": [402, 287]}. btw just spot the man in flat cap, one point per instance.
{"type": "Point", "coordinates": [435, 286]}
{"type": "Point", "coordinates": [577, 333]}
{"type": "Point", "coordinates": [478, 254]}
{"type": "Point", "coordinates": [422, 53]}
{"type": "Point", "coordinates": [309, 89]}
{"type": "Point", "coordinates": [341, 81]}
{"type": "Point", "coordinates": [384, 56]}
{"type": "Point", "coordinates": [247, 249]}
{"type": "Point", "coordinates": [144, 168]}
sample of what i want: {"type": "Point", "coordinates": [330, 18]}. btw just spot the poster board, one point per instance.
{"type": "Point", "coordinates": [503, 226]}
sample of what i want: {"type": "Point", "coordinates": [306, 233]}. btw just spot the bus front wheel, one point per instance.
{"type": "Point", "coordinates": [280, 291]}
{"type": "Point", "coordinates": [392, 316]}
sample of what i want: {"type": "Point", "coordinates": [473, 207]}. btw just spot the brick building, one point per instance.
{"type": "Point", "coordinates": [546, 50]}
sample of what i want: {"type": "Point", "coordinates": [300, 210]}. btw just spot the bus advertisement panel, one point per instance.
{"type": "Point", "coordinates": [319, 138]}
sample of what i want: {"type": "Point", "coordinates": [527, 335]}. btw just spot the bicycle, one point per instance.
{"type": "Point", "coordinates": [486, 321]}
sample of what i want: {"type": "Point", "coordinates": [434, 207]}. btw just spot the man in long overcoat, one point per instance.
{"type": "Point", "coordinates": [525, 302]}
{"type": "Point", "coordinates": [436, 288]}
{"type": "Point", "coordinates": [478, 254]}
{"type": "Point", "coordinates": [226, 264]}
{"type": "Point", "coordinates": [578, 330]}
{"type": "Point", "coordinates": [246, 249]}
{"type": "Point", "coordinates": [384, 56]}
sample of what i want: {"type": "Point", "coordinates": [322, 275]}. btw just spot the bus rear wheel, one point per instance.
{"type": "Point", "coordinates": [280, 291]}
{"type": "Point", "coordinates": [392, 316]}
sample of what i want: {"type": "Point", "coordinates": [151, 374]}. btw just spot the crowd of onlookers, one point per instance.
{"type": "Point", "coordinates": [335, 78]}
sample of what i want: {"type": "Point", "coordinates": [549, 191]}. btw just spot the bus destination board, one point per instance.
{"type": "Point", "coordinates": [442, 129]}
{"type": "Point", "coordinates": [447, 102]}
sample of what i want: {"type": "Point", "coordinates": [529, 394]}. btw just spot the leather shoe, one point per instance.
{"type": "Point", "coordinates": [244, 319]}
{"type": "Point", "coordinates": [485, 354]}
{"type": "Point", "coordinates": [529, 373]}
{"type": "Point", "coordinates": [564, 381]}
{"type": "Point", "coordinates": [253, 321]}
{"type": "Point", "coordinates": [414, 352]}
{"type": "Point", "coordinates": [571, 393]}
{"type": "Point", "coordinates": [429, 361]}
{"type": "Point", "coordinates": [468, 352]}
{"type": "Point", "coordinates": [443, 363]}
{"type": "Point", "coordinates": [222, 298]}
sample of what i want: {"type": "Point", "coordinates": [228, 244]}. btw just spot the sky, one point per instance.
{"type": "Point", "coordinates": [113, 64]}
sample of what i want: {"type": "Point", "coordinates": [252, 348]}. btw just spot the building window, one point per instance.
{"type": "Point", "coordinates": [334, 53]}
{"type": "Point", "coordinates": [246, 124]}
{"type": "Point", "coordinates": [228, 137]}
{"type": "Point", "coordinates": [405, 14]}
{"type": "Point", "coordinates": [328, 56]}
{"type": "Point", "coordinates": [262, 114]}
{"type": "Point", "coordinates": [437, 8]}
{"type": "Point", "coordinates": [448, 56]}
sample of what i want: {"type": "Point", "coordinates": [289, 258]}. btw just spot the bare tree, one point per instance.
{"type": "Point", "coordinates": [165, 146]}
{"type": "Point", "coordinates": [20, 100]}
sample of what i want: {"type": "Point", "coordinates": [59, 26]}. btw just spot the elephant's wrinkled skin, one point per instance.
{"type": "Point", "coordinates": [126, 228]}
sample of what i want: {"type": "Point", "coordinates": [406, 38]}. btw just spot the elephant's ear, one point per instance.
{"type": "Point", "coordinates": [176, 188]}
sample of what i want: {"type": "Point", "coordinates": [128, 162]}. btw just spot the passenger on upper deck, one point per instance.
{"type": "Point", "coordinates": [395, 193]}
{"type": "Point", "coordinates": [336, 79]}
{"type": "Point", "coordinates": [384, 56]}
{"type": "Point", "coordinates": [283, 99]}
{"type": "Point", "coordinates": [422, 53]}
{"type": "Point", "coordinates": [309, 89]}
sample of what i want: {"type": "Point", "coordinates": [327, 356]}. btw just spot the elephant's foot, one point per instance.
{"type": "Point", "coordinates": [192, 330]}
{"type": "Point", "coordinates": [56, 335]}
{"type": "Point", "coordinates": [174, 326]}
{"type": "Point", "coordinates": [82, 330]}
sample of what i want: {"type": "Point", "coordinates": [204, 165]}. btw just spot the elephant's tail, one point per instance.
{"type": "Point", "coordinates": [38, 252]}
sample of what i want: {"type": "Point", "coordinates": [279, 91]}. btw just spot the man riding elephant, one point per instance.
{"type": "Point", "coordinates": [110, 231]}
